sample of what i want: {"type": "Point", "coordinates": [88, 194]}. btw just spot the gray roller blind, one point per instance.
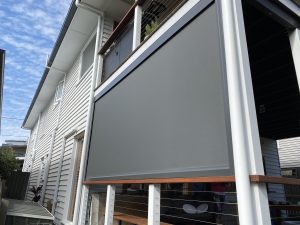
{"type": "Point", "coordinates": [169, 117]}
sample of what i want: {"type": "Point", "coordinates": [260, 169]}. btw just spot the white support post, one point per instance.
{"type": "Point", "coordinates": [154, 204]}
{"type": "Point", "coordinates": [252, 199]}
{"type": "Point", "coordinates": [110, 204]}
{"type": "Point", "coordinates": [95, 209]}
{"type": "Point", "coordinates": [137, 26]}
{"type": "Point", "coordinates": [295, 46]}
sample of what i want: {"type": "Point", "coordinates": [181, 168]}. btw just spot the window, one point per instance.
{"type": "Point", "coordinates": [59, 92]}
{"type": "Point", "coordinates": [87, 57]}
{"type": "Point", "coordinates": [75, 177]}
{"type": "Point", "coordinates": [41, 176]}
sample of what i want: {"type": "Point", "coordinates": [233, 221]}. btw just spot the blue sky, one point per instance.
{"type": "Point", "coordinates": [28, 30]}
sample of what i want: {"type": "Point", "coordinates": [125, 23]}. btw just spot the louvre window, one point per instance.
{"type": "Point", "coordinates": [88, 57]}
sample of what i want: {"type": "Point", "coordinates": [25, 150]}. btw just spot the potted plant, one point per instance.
{"type": "Point", "coordinates": [36, 192]}
{"type": "Point", "coordinates": [150, 28]}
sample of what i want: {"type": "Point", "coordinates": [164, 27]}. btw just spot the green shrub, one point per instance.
{"type": "Point", "coordinates": [8, 162]}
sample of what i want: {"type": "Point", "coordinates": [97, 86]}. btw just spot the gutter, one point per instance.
{"type": "Point", "coordinates": [62, 33]}
{"type": "Point", "coordinates": [88, 7]}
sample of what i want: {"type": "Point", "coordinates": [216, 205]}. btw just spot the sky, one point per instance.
{"type": "Point", "coordinates": [28, 31]}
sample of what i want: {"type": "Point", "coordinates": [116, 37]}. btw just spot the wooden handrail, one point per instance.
{"type": "Point", "coordinates": [118, 30]}
{"type": "Point", "coordinates": [211, 179]}
{"type": "Point", "coordinates": [274, 180]}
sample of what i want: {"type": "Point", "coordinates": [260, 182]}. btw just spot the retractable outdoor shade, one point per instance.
{"type": "Point", "coordinates": [168, 117]}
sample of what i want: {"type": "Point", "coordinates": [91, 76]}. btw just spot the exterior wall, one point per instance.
{"type": "Point", "coordinates": [272, 168]}
{"type": "Point", "coordinates": [29, 151]}
{"type": "Point", "coordinates": [73, 117]}
{"type": "Point", "coordinates": [289, 152]}
{"type": "Point", "coordinates": [60, 121]}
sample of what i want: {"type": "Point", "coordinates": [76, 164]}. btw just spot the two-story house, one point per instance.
{"type": "Point", "coordinates": [167, 112]}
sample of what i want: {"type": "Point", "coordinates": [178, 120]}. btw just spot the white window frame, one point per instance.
{"type": "Point", "coordinates": [57, 99]}
{"type": "Point", "coordinates": [82, 74]}
{"type": "Point", "coordinates": [77, 138]}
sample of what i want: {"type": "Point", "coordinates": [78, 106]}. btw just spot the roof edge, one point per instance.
{"type": "Point", "coordinates": [63, 30]}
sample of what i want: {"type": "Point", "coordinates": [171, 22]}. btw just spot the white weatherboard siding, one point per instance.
{"type": "Point", "coordinates": [63, 178]}
{"type": "Point", "coordinates": [47, 124]}
{"type": "Point", "coordinates": [272, 168]}
{"type": "Point", "coordinates": [73, 118]}
{"type": "Point", "coordinates": [27, 160]}
{"type": "Point", "coordinates": [289, 152]}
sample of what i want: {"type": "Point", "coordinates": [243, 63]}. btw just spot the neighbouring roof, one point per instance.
{"type": "Point", "coordinates": [28, 209]}
{"type": "Point", "coordinates": [15, 143]}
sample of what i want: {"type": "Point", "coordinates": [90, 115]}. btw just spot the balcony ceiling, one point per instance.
{"type": "Point", "coordinates": [114, 8]}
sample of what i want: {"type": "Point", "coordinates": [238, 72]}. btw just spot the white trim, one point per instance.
{"type": "Point", "coordinates": [68, 135]}
{"type": "Point", "coordinates": [71, 179]}
{"type": "Point", "coordinates": [154, 204]}
{"type": "Point", "coordinates": [149, 42]}
{"type": "Point", "coordinates": [253, 204]}
{"type": "Point", "coordinates": [82, 190]}
{"type": "Point", "coordinates": [295, 47]}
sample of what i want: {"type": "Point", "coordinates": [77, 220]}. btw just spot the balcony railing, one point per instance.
{"type": "Point", "coordinates": [179, 203]}
{"type": "Point", "coordinates": [151, 15]}
{"type": "Point", "coordinates": [197, 200]}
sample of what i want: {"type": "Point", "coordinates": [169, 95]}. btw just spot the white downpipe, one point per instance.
{"type": "Point", "coordinates": [27, 149]}
{"type": "Point", "coordinates": [82, 189]}
{"type": "Point", "coordinates": [88, 7]}
{"type": "Point", "coordinates": [53, 139]}
{"type": "Point", "coordinates": [35, 141]}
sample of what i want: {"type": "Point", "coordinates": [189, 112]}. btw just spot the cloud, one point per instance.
{"type": "Point", "coordinates": [28, 31]}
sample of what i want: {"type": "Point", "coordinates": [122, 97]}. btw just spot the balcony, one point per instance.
{"type": "Point", "coordinates": [161, 116]}
{"type": "Point", "coordinates": [126, 38]}
{"type": "Point", "coordinates": [185, 201]}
